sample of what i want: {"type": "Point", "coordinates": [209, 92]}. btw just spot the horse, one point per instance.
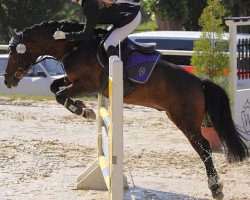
{"type": "Point", "coordinates": [185, 98]}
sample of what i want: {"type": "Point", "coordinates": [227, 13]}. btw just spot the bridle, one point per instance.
{"type": "Point", "coordinates": [19, 48]}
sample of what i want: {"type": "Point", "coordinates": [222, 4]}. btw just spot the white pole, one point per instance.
{"type": "Point", "coordinates": [233, 63]}
{"type": "Point", "coordinates": [116, 117]}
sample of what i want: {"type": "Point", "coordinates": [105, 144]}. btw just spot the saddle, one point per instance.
{"type": "Point", "coordinates": [139, 59]}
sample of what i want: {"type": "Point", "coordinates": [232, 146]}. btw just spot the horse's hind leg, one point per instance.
{"type": "Point", "coordinates": [190, 126]}
{"type": "Point", "coordinates": [201, 146]}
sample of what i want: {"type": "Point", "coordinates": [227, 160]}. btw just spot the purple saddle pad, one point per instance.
{"type": "Point", "coordinates": [140, 66]}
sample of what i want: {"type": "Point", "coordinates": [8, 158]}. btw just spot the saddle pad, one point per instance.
{"type": "Point", "coordinates": [140, 66]}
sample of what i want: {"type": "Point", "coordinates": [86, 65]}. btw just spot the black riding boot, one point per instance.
{"type": "Point", "coordinates": [128, 86]}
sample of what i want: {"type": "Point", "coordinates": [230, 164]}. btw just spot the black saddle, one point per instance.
{"type": "Point", "coordinates": [139, 59]}
{"type": "Point", "coordinates": [127, 47]}
{"type": "Point", "coordinates": [146, 48]}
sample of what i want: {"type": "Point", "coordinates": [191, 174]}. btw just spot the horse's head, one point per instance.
{"type": "Point", "coordinates": [22, 56]}
{"type": "Point", "coordinates": [26, 46]}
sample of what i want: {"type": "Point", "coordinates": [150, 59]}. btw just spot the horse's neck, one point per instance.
{"type": "Point", "coordinates": [59, 49]}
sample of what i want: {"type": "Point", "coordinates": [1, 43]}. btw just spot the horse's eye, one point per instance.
{"type": "Point", "coordinates": [11, 49]}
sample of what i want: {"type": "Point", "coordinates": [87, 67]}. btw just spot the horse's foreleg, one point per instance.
{"type": "Point", "coordinates": [77, 107]}
{"type": "Point", "coordinates": [57, 84]}
{"type": "Point", "coordinates": [201, 146]}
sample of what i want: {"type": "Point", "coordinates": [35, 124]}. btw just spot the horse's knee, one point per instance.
{"type": "Point", "coordinates": [56, 84]}
{"type": "Point", "coordinates": [54, 87]}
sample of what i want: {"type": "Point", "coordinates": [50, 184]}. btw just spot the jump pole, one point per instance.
{"type": "Point", "coordinates": [106, 173]}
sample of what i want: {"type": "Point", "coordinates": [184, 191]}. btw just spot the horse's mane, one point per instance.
{"type": "Point", "coordinates": [48, 28]}
{"type": "Point", "coordinates": [51, 26]}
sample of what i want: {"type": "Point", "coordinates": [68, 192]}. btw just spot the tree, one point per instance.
{"type": "Point", "coordinates": [20, 14]}
{"type": "Point", "coordinates": [210, 60]}
{"type": "Point", "coordinates": [195, 8]}
{"type": "Point", "coordinates": [169, 14]}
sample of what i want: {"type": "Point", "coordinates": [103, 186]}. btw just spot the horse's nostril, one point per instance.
{"type": "Point", "coordinates": [7, 83]}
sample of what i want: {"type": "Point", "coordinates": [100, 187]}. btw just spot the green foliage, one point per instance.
{"type": "Point", "coordinates": [209, 59]}
{"type": "Point", "coordinates": [72, 11]}
{"type": "Point", "coordinates": [185, 13]}
{"type": "Point", "coordinates": [20, 14]}
{"type": "Point", "coordinates": [168, 9]}
{"type": "Point", "coordinates": [147, 26]}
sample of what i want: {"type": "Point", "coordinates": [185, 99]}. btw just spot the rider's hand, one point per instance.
{"type": "Point", "coordinates": [104, 3]}
{"type": "Point", "coordinates": [58, 35]}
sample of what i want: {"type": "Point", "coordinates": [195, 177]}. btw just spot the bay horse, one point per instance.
{"type": "Point", "coordinates": [185, 98]}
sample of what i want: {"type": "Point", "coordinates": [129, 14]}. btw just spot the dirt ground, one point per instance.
{"type": "Point", "coordinates": [44, 148]}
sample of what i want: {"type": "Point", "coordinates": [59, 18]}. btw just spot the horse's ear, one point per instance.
{"type": "Point", "coordinates": [13, 33]}
{"type": "Point", "coordinates": [14, 36]}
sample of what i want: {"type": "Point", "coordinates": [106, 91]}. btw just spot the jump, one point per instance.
{"type": "Point", "coordinates": [184, 97]}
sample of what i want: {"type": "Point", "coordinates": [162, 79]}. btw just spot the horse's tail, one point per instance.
{"type": "Point", "coordinates": [218, 108]}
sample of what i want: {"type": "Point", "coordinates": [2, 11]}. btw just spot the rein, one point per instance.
{"type": "Point", "coordinates": [69, 53]}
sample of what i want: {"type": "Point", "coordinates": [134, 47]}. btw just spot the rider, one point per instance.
{"type": "Point", "coordinates": [124, 15]}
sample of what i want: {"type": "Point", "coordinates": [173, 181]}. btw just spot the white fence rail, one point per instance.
{"type": "Point", "coordinates": [176, 52]}
{"type": "Point", "coordinates": [4, 47]}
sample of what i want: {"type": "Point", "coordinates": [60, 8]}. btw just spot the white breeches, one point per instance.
{"type": "Point", "coordinates": [119, 34]}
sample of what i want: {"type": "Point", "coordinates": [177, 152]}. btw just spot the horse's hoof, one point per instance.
{"type": "Point", "coordinates": [80, 103]}
{"type": "Point", "coordinates": [219, 196]}
{"type": "Point", "coordinates": [217, 191]}
{"type": "Point", "coordinates": [89, 113]}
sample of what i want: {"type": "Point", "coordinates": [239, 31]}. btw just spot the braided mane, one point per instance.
{"type": "Point", "coordinates": [51, 26]}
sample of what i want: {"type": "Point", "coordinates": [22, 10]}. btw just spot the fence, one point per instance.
{"type": "Point", "coordinates": [240, 70]}
{"type": "Point", "coordinates": [106, 173]}
{"type": "Point", "coordinates": [4, 47]}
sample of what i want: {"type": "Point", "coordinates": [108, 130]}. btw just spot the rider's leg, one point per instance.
{"type": "Point", "coordinates": [117, 35]}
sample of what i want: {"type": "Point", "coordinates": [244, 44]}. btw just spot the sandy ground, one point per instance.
{"type": "Point", "coordinates": [44, 148]}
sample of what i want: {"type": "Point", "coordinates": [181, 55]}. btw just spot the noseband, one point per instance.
{"type": "Point", "coordinates": [19, 73]}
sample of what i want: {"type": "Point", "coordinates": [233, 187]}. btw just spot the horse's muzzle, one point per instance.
{"type": "Point", "coordinates": [10, 80]}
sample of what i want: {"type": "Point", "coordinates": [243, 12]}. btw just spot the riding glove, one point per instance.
{"type": "Point", "coordinates": [58, 35]}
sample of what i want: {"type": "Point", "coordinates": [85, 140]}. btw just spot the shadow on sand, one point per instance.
{"type": "Point", "coordinates": [137, 193]}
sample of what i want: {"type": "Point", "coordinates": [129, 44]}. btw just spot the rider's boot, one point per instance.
{"type": "Point", "coordinates": [128, 86]}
